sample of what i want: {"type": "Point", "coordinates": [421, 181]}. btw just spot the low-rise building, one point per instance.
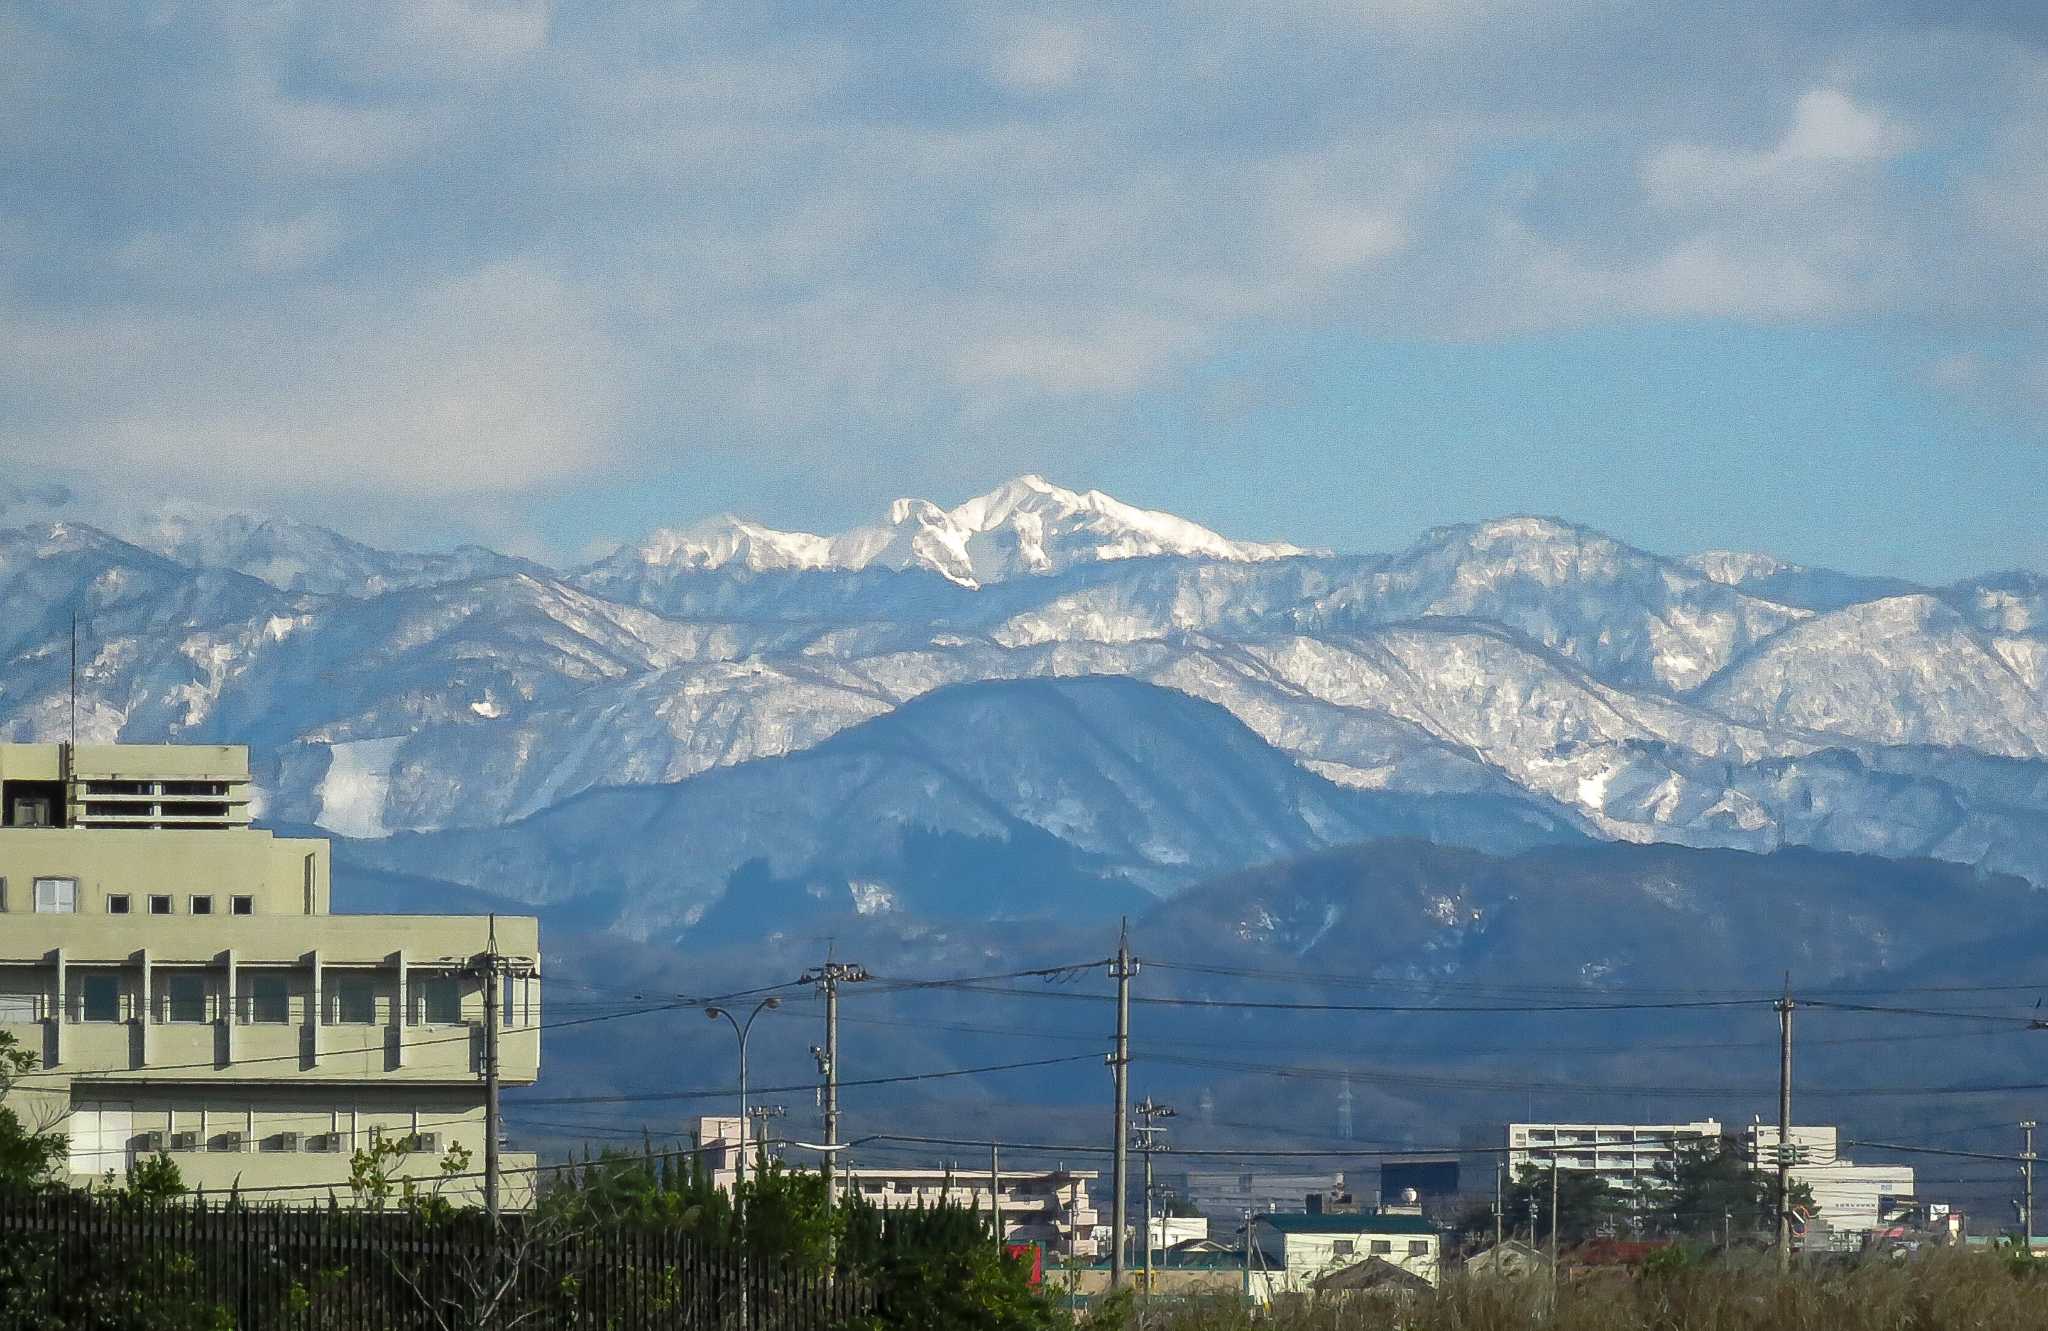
{"type": "Point", "coordinates": [1049, 1207]}
{"type": "Point", "coordinates": [187, 993]}
{"type": "Point", "coordinates": [1626, 1155]}
{"type": "Point", "coordinates": [1296, 1249]}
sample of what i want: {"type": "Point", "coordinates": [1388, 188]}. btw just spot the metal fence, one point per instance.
{"type": "Point", "coordinates": [71, 1262]}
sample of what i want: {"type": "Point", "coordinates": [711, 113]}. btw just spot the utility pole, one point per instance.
{"type": "Point", "coordinates": [491, 996]}
{"type": "Point", "coordinates": [1145, 1128]}
{"type": "Point", "coordinates": [1784, 1006]}
{"type": "Point", "coordinates": [492, 967]}
{"type": "Point", "coordinates": [1500, 1217]}
{"type": "Point", "coordinates": [1121, 970]}
{"type": "Point", "coordinates": [995, 1191]}
{"type": "Point", "coordinates": [2027, 1168]}
{"type": "Point", "coordinates": [1553, 1233]}
{"type": "Point", "coordinates": [1247, 1254]}
{"type": "Point", "coordinates": [829, 977]}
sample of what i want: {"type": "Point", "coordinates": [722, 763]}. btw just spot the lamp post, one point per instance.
{"type": "Point", "coordinates": [742, 1031]}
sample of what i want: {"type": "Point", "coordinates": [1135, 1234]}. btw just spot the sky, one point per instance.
{"type": "Point", "coordinates": [1740, 275]}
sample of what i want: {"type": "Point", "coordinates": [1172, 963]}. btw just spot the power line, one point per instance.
{"type": "Point", "coordinates": [638, 1097]}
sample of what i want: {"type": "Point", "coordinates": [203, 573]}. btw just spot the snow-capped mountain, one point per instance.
{"type": "Point", "coordinates": [1717, 700]}
{"type": "Point", "coordinates": [1027, 525]}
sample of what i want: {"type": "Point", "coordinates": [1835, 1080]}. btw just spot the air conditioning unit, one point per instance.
{"type": "Point", "coordinates": [287, 1141]}
{"type": "Point", "coordinates": [152, 1141]}
{"type": "Point", "coordinates": [228, 1141]}
{"type": "Point", "coordinates": [426, 1143]}
{"type": "Point", "coordinates": [184, 1141]}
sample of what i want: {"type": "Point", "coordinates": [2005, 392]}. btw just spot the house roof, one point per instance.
{"type": "Point", "coordinates": [1300, 1222]}
{"type": "Point", "coordinates": [1372, 1273]}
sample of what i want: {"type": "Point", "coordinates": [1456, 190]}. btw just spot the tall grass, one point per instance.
{"type": "Point", "coordinates": [1940, 1291]}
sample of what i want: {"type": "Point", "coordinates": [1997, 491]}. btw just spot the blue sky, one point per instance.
{"type": "Point", "coordinates": [1742, 275]}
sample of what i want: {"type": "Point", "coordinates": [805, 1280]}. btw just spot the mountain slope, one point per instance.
{"type": "Point", "coordinates": [1115, 781]}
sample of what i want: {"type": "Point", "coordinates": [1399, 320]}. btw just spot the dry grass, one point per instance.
{"type": "Point", "coordinates": [1943, 1291]}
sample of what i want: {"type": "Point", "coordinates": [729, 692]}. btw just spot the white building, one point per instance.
{"type": "Point", "coordinates": [1294, 1250]}
{"type": "Point", "coordinates": [1051, 1208]}
{"type": "Point", "coordinates": [1627, 1155]}
{"type": "Point", "coordinates": [1852, 1199]}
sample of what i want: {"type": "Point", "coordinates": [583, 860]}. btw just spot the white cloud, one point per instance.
{"type": "Point", "coordinates": [1830, 136]}
{"type": "Point", "coordinates": [496, 380]}
{"type": "Point", "coordinates": [1044, 57]}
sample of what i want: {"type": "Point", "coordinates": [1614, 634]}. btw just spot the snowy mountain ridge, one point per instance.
{"type": "Point", "coordinates": [1727, 701]}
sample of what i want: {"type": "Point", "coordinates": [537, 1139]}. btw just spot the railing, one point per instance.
{"type": "Point", "coordinates": [67, 1260]}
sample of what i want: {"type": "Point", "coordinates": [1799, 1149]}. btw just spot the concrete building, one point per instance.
{"type": "Point", "coordinates": [1852, 1200]}
{"type": "Point", "coordinates": [1627, 1155]}
{"type": "Point", "coordinates": [187, 992]}
{"type": "Point", "coordinates": [1297, 1249]}
{"type": "Point", "coordinates": [1051, 1208]}
{"type": "Point", "coordinates": [1224, 1196]}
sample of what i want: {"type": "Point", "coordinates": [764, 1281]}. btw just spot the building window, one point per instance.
{"type": "Point", "coordinates": [1418, 1247]}
{"type": "Point", "coordinates": [269, 999]}
{"type": "Point", "coordinates": [160, 904]}
{"type": "Point", "coordinates": [1342, 1247]}
{"type": "Point", "coordinates": [117, 903]}
{"type": "Point", "coordinates": [242, 905]}
{"type": "Point", "coordinates": [1382, 1247]}
{"type": "Point", "coordinates": [99, 998]}
{"type": "Point", "coordinates": [441, 1001]}
{"type": "Point", "coordinates": [202, 906]}
{"type": "Point", "coordinates": [56, 896]}
{"type": "Point", "coordinates": [18, 1007]}
{"type": "Point", "coordinates": [355, 1001]}
{"type": "Point", "coordinates": [185, 998]}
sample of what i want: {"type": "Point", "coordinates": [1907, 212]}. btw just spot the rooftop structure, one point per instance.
{"type": "Point", "coordinates": [187, 992]}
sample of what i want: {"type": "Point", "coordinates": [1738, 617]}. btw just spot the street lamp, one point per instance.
{"type": "Point", "coordinates": [714, 1013]}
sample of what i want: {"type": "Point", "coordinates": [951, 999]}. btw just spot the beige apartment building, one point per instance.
{"type": "Point", "coordinates": [187, 993]}
{"type": "Point", "coordinates": [1049, 1207]}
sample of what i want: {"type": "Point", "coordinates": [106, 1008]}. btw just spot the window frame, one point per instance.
{"type": "Point", "coordinates": [53, 881]}
{"type": "Point", "coordinates": [440, 986]}
{"type": "Point", "coordinates": [162, 903]}
{"type": "Point", "coordinates": [87, 986]}
{"type": "Point", "coordinates": [1418, 1247]}
{"type": "Point", "coordinates": [186, 981]}
{"type": "Point", "coordinates": [241, 904]}
{"type": "Point", "coordinates": [199, 903]}
{"type": "Point", "coordinates": [258, 1000]}
{"type": "Point", "coordinates": [1381, 1248]}
{"type": "Point", "coordinates": [120, 903]}
{"type": "Point", "coordinates": [347, 986]}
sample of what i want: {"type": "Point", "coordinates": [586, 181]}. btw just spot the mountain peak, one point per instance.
{"type": "Point", "coordinates": [1025, 525]}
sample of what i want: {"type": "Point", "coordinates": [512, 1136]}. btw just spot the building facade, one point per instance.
{"type": "Point", "coordinates": [1626, 1155]}
{"type": "Point", "coordinates": [188, 994]}
{"type": "Point", "coordinates": [1852, 1200]}
{"type": "Point", "coordinates": [1296, 1249]}
{"type": "Point", "coordinates": [1225, 1196]}
{"type": "Point", "coordinates": [1051, 1208]}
